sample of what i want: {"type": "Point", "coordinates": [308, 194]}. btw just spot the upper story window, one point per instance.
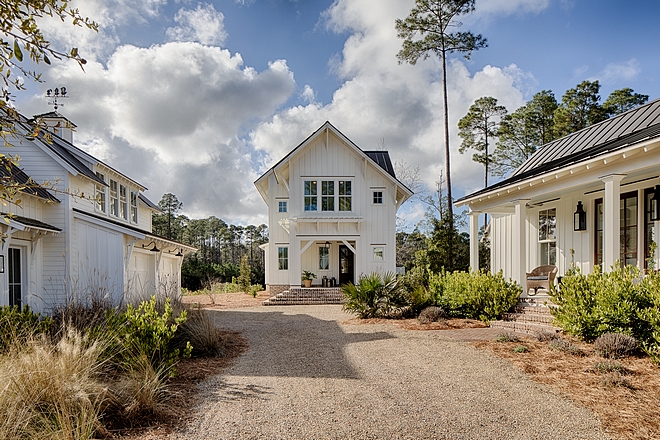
{"type": "Point", "coordinates": [123, 207]}
{"type": "Point", "coordinates": [100, 194]}
{"type": "Point", "coordinates": [282, 206]}
{"type": "Point", "coordinates": [378, 197]}
{"type": "Point", "coordinates": [379, 253]}
{"type": "Point", "coordinates": [114, 199]}
{"type": "Point", "coordinates": [134, 206]}
{"type": "Point", "coordinates": [336, 195]}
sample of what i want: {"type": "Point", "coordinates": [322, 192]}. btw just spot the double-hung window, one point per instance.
{"type": "Point", "coordinates": [282, 206]}
{"type": "Point", "coordinates": [311, 199]}
{"type": "Point", "coordinates": [134, 206]}
{"type": "Point", "coordinates": [114, 200]}
{"type": "Point", "coordinates": [100, 194]}
{"type": "Point", "coordinates": [345, 195]}
{"type": "Point", "coordinates": [123, 207]}
{"type": "Point", "coordinates": [283, 258]}
{"type": "Point", "coordinates": [548, 236]}
{"type": "Point", "coordinates": [327, 195]}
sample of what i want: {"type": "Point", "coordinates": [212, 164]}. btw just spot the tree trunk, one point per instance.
{"type": "Point", "coordinates": [450, 209]}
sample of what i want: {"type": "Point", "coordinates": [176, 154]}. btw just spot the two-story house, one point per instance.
{"type": "Point", "coordinates": [331, 211]}
{"type": "Point", "coordinates": [81, 228]}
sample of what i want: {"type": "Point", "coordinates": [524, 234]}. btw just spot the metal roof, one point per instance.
{"type": "Point", "coordinates": [612, 134]}
{"type": "Point", "coordinates": [31, 223]}
{"type": "Point", "coordinates": [11, 171]}
{"type": "Point", "coordinates": [149, 203]}
{"type": "Point", "coordinates": [382, 158]}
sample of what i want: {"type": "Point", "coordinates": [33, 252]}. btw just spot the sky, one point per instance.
{"type": "Point", "coordinates": [199, 99]}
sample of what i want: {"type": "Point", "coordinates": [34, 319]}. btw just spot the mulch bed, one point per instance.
{"type": "Point", "coordinates": [414, 324]}
{"type": "Point", "coordinates": [627, 403]}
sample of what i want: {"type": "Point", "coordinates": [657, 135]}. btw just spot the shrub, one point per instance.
{"type": "Point", "coordinates": [507, 337]}
{"type": "Point", "coordinates": [431, 314]}
{"type": "Point", "coordinates": [606, 367]}
{"type": "Point", "coordinates": [245, 273]}
{"type": "Point", "coordinates": [615, 379]}
{"type": "Point", "coordinates": [476, 295]}
{"type": "Point", "coordinates": [201, 333]}
{"type": "Point", "coordinates": [19, 326]}
{"type": "Point", "coordinates": [566, 346]}
{"type": "Point", "coordinates": [520, 349]}
{"type": "Point", "coordinates": [415, 286]}
{"type": "Point", "coordinates": [615, 345]}
{"type": "Point", "coordinates": [375, 295]}
{"type": "Point", "coordinates": [546, 336]}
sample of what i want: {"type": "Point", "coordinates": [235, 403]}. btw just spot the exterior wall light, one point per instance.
{"type": "Point", "coordinates": [580, 219]}
{"type": "Point", "coordinates": [655, 204]}
{"type": "Point", "coordinates": [327, 245]}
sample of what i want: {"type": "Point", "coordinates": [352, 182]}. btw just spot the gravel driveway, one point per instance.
{"type": "Point", "coordinates": [310, 375]}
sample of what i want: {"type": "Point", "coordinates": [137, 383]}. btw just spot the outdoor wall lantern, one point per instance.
{"type": "Point", "coordinates": [655, 204]}
{"type": "Point", "coordinates": [327, 245]}
{"type": "Point", "coordinates": [178, 254]}
{"type": "Point", "coordinates": [2, 264]}
{"type": "Point", "coordinates": [580, 219]}
{"type": "Point", "coordinates": [153, 249]}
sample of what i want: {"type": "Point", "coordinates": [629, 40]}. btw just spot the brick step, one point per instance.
{"type": "Point", "coordinates": [529, 328]}
{"type": "Point", "coordinates": [529, 317]}
{"type": "Point", "coordinates": [306, 297]}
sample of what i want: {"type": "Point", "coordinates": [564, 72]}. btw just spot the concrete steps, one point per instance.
{"type": "Point", "coordinates": [527, 319]}
{"type": "Point", "coordinates": [303, 296]}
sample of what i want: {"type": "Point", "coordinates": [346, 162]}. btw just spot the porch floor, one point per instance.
{"type": "Point", "coordinates": [306, 296]}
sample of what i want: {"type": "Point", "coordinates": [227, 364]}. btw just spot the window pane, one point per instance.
{"type": "Point", "coordinates": [310, 203]}
{"type": "Point", "coordinates": [378, 254]}
{"type": "Point", "coordinates": [552, 224]}
{"type": "Point", "coordinates": [328, 188]}
{"type": "Point", "coordinates": [310, 187]}
{"type": "Point", "coordinates": [378, 197]}
{"type": "Point", "coordinates": [344, 188]}
{"type": "Point", "coordinates": [327, 203]}
{"type": "Point", "coordinates": [283, 258]}
{"type": "Point", "coordinates": [282, 206]}
{"type": "Point", "coordinates": [344, 203]}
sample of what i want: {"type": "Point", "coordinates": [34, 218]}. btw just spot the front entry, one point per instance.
{"type": "Point", "coordinates": [15, 277]}
{"type": "Point", "coordinates": [346, 265]}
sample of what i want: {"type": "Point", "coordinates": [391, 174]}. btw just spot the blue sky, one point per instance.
{"type": "Point", "coordinates": [199, 98]}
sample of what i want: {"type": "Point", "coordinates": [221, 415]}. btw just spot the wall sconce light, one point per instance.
{"type": "Point", "coordinates": [178, 254]}
{"type": "Point", "coordinates": [580, 219]}
{"type": "Point", "coordinates": [153, 249]}
{"type": "Point", "coordinates": [2, 264]}
{"type": "Point", "coordinates": [655, 204]}
{"type": "Point", "coordinates": [327, 245]}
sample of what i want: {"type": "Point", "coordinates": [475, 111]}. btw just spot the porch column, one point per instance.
{"type": "Point", "coordinates": [611, 220]}
{"type": "Point", "coordinates": [294, 262]}
{"type": "Point", "coordinates": [519, 242]}
{"type": "Point", "coordinates": [474, 240]}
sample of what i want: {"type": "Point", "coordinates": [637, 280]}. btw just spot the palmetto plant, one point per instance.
{"type": "Point", "coordinates": [374, 295]}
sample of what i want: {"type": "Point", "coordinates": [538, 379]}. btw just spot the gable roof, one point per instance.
{"type": "Point", "coordinates": [381, 159]}
{"type": "Point", "coordinates": [621, 131]}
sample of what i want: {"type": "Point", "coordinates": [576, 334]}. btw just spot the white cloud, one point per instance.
{"type": "Point", "coordinates": [308, 94]}
{"type": "Point", "coordinates": [203, 24]}
{"type": "Point", "coordinates": [614, 73]}
{"type": "Point", "coordinates": [509, 7]}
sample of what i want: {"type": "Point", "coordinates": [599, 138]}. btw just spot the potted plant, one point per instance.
{"type": "Point", "coordinates": [307, 277]}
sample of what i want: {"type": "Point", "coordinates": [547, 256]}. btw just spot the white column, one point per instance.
{"type": "Point", "coordinates": [294, 262]}
{"type": "Point", "coordinates": [474, 240]}
{"type": "Point", "coordinates": [611, 220]}
{"type": "Point", "coordinates": [519, 242]}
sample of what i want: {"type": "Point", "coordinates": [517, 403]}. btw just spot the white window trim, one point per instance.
{"type": "Point", "coordinates": [336, 196]}
{"type": "Point", "coordinates": [538, 231]}
{"type": "Point", "coordinates": [133, 208]}
{"type": "Point", "coordinates": [319, 268]}
{"type": "Point", "coordinates": [99, 190]}
{"type": "Point", "coordinates": [373, 252]}
{"type": "Point", "coordinates": [114, 201]}
{"type": "Point", "coordinates": [278, 258]}
{"type": "Point", "coordinates": [382, 198]}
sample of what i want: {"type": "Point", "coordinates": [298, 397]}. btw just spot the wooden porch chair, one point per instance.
{"type": "Point", "coordinates": [541, 277]}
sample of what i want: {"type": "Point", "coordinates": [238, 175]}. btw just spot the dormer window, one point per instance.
{"type": "Point", "coordinates": [134, 207]}
{"type": "Point", "coordinates": [100, 194]}
{"type": "Point", "coordinates": [123, 207]}
{"type": "Point", "coordinates": [114, 199]}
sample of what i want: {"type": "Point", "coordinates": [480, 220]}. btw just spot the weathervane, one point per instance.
{"type": "Point", "coordinates": [58, 93]}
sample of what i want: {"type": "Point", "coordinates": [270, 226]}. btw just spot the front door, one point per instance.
{"type": "Point", "coordinates": [346, 264]}
{"type": "Point", "coordinates": [15, 278]}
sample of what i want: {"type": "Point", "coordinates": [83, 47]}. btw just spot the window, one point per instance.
{"type": "Point", "coordinates": [378, 198]}
{"type": "Point", "coordinates": [650, 231]}
{"type": "Point", "coordinates": [310, 195]}
{"type": "Point", "coordinates": [345, 195]}
{"type": "Point", "coordinates": [100, 194]}
{"type": "Point", "coordinates": [282, 207]}
{"type": "Point", "coordinates": [628, 229]}
{"type": "Point", "coordinates": [378, 254]}
{"type": "Point", "coordinates": [324, 258]}
{"type": "Point", "coordinates": [134, 209]}
{"type": "Point", "coordinates": [114, 201]}
{"type": "Point", "coordinates": [327, 195]}
{"type": "Point", "coordinates": [548, 236]}
{"type": "Point", "coordinates": [122, 202]}
{"type": "Point", "coordinates": [283, 258]}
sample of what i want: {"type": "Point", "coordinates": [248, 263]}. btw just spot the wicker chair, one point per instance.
{"type": "Point", "coordinates": [541, 277]}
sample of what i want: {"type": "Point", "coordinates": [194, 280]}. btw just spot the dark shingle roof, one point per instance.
{"type": "Point", "coordinates": [612, 134]}
{"type": "Point", "coordinates": [382, 158]}
{"type": "Point", "coordinates": [11, 171]}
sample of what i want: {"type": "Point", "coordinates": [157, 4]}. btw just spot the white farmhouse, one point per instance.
{"type": "Point", "coordinates": [87, 232]}
{"type": "Point", "coordinates": [331, 211]}
{"type": "Point", "coordinates": [589, 198]}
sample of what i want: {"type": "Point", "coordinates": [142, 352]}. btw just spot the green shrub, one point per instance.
{"type": "Point", "coordinates": [431, 314]}
{"type": "Point", "coordinates": [520, 349]}
{"type": "Point", "coordinates": [199, 331]}
{"type": "Point", "coordinates": [18, 326]}
{"type": "Point", "coordinates": [607, 367]}
{"type": "Point", "coordinates": [144, 331]}
{"type": "Point", "coordinates": [507, 337]}
{"type": "Point", "coordinates": [476, 295]}
{"type": "Point", "coordinates": [415, 288]}
{"type": "Point", "coordinates": [375, 295]}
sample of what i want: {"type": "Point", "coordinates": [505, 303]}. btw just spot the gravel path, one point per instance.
{"type": "Point", "coordinates": [308, 375]}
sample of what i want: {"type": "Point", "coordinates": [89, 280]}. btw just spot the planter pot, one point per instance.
{"type": "Point", "coordinates": [307, 283]}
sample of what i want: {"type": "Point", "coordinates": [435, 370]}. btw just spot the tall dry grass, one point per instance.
{"type": "Point", "coordinates": [51, 391]}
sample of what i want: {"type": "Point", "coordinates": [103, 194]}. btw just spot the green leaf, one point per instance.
{"type": "Point", "coordinates": [46, 60]}
{"type": "Point", "coordinates": [17, 51]}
